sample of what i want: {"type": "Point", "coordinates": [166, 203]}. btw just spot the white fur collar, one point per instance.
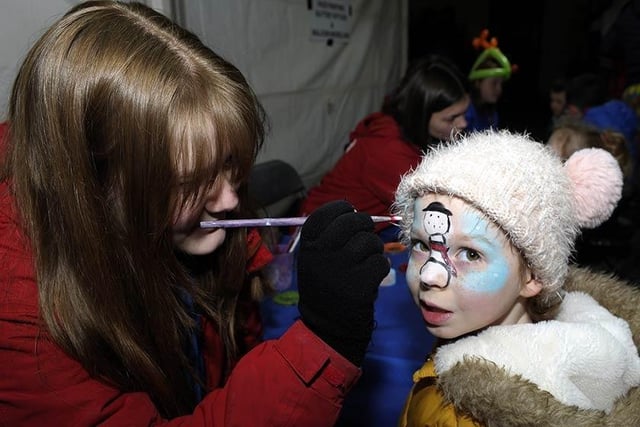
{"type": "Point", "coordinates": [585, 357]}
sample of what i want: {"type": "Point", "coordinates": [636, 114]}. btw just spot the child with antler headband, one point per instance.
{"type": "Point", "coordinates": [490, 70]}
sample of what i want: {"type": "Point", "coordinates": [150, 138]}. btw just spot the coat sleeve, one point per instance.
{"type": "Point", "coordinates": [296, 380]}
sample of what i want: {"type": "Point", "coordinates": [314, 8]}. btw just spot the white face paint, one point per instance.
{"type": "Point", "coordinates": [436, 220]}
{"type": "Point", "coordinates": [437, 226]}
{"type": "Point", "coordinates": [481, 285]}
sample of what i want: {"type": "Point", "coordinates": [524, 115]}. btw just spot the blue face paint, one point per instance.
{"type": "Point", "coordinates": [493, 277]}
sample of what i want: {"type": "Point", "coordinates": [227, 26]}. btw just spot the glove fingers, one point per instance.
{"type": "Point", "coordinates": [319, 219]}
{"type": "Point", "coordinates": [363, 245]}
{"type": "Point", "coordinates": [378, 266]}
{"type": "Point", "coordinates": [343, 229]}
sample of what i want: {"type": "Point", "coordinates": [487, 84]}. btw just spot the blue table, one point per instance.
{"type": "Point", "coordinates": [398, 347]}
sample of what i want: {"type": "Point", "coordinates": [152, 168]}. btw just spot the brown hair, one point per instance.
{"type": "Point", "coordinates": [106, 107]}
{"type": "Point", "coordinates": [570, 135]}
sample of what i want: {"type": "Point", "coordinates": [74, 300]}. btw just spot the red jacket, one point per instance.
{"type": "Point", "coordinates": [296, 380]}
{"type": "Point", "coordinates": [370, 170]}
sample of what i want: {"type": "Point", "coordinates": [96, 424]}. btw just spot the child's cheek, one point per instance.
{"type": "Point", "coordinates": [416, 261]}
{"type": "Point", "coordinates": [490, 280]}
{"type": "Point", "coordinates": [412, 274]}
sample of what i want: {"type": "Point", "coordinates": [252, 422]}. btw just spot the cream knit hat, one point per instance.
{"type": "Point", "coordinates": [525, 189]}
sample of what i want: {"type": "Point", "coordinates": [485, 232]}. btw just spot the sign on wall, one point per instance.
{"type": "Point", "coordinates": [330, 20]}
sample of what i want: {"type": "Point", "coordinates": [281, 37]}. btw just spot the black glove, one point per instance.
{"type": "Point", "coordinates": [340, 266]}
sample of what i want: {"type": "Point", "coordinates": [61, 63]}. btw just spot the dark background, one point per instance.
{"type": "Point", "coordinates": [546, 39]}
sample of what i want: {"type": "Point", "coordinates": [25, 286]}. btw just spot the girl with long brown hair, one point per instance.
{"type": "Point", "coordinates": [124, 132]}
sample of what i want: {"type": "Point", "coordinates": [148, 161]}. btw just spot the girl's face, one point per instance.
{"type": "Point", "coordinates": [490, 89]}
{"type": "Point", "coordinates": [214, 205]}
{"type": "Point", "coordinates": [444, 123]}
{"type": "Point", "coordinates": [467, 278]}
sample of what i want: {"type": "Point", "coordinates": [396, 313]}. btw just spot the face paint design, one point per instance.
{"type": "Point", "coordinates": [493, 277]}
{"type": "Point", "coordinates": [437, 224]}
{"type": "Point", "coordinates": [487, 285]}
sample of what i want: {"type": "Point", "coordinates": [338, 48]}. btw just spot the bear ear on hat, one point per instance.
{"type": "Point", "coordinates": [596, 180]}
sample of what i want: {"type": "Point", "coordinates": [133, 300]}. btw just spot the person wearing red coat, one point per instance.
{"type": "Point", "coordinates": [427, 107]}
{"type": "Point", "coordinates": [124, 133]}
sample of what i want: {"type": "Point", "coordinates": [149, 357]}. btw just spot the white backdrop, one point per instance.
{"type": "Point", "coordinates": [23, 21]}
{"type": "Point", "coordinates": [314, 93]}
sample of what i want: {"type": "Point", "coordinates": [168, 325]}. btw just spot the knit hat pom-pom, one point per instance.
{"type": "Point", "coordinates": [597, 185]}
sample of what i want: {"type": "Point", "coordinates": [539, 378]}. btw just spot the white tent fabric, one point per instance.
{"type": "Point", "coordinates": [314, 93]}
{"type": "Point", "coordinates": [21, 23]}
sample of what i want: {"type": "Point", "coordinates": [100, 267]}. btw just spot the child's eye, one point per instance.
{"type": "Point", "coordinates": [470, 255]}
{"type": "Point", "coordinates": [419, 245]}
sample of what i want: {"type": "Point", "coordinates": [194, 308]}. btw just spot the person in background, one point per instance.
{"type": "Point", "coordinates": [620, 48]}
{"type": "Point", "coordinates": [587, 100]}
{"type": "Point", "coordinates": [570, 135]}
{"type": "Point", "coordinates": [584, 91]}
{"type": "Point", "coordinates": [488, 73]}
{"type": "Point", "coordinates": [557, 101]}
{"type": "Point", "coordinates": [124, 132]}
{"type": "Point", "coordinates": [426, 108]}
{"type": "Point", "coordinates": [609, 245]}
{"type": "Point", "coordinates": [615, 115]}
{"type": "Point", "coordinates": [523, 337]}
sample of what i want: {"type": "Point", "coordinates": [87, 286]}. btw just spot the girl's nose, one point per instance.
{"type": "Point", "coordinates": [460, 123]}
{"type": "Point", "coordinates": [223, 198]}
{"type": "Point", "coordinates": [434, 274]}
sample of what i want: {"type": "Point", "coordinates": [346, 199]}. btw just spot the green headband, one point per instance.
{"type": "Point", "coordinates": [491, 53]}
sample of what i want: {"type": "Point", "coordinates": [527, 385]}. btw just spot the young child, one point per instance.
{"type": "Point", "coordinates": [616, 115]}
{"type": "Point", "coordinates": [523, 338]}
{"type": "Point", "coordinates": [610, 243]}
{"type": "Point", "coordinates": [557, 101]}
{"type": "Point", "coordinates": [117, 308]}
{"type": "Point", "coordinates": [488, 73]}
{"type": "Point", "coordinates": [570, 135]}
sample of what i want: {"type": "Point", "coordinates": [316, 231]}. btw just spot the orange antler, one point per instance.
{"type": "Point", "coordinates": [483, 40]}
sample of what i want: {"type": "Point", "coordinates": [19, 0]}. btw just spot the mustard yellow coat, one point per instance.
{"type": "Point", "coordinates": [425, 405]}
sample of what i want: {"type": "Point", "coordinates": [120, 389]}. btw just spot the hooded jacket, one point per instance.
{"type": "Point", "coordinates": [40, 385]}
{"type": "Point", "coordinates": [580, 369]}
{"type": "Point", "coordinates": [370, 170]}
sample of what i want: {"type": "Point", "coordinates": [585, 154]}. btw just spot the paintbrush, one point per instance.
{"type": "Point", "coordinates": [275, 222]}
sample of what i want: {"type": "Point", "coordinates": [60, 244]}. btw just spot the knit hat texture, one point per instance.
{"type": "Point", "coordinates": [522, 187]}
